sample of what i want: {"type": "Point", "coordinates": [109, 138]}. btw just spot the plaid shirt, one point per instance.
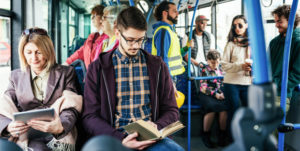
{"type": "Point", "coordinates": [132, 89]}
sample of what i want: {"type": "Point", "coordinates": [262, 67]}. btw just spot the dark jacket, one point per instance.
{"type": "Point", "coordinates": [276, 53]}
{"type": "Point", "coordinates": [100, 96]}
{"type": "Point", "coordinates": [206, 40]}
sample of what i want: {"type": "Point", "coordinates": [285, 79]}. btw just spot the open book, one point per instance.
{"type": "Point", "coordinates": [148, 132]}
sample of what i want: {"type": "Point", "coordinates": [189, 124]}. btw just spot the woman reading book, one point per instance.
{"type": "Point", "coordinates": [41, 83]}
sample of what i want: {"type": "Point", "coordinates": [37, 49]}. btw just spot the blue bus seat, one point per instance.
{"type": "Point", "coordinates": [8, 145]}
{"type": "Point", "coordinates": [147, 45]}
{"type": "Point", "coordinates": [182, 86]}
{"type": "Point", "coordinates": [77, 42]}
{"type": "Point", "coordinates": [80, 72]}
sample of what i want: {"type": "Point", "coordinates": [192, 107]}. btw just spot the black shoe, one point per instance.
{"type": "Point", "coordinates": [222, 139]}
{"type": "Point", "coordinates": [206, 140]}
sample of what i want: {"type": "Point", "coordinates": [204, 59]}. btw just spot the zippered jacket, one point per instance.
{"type": "Point", "coordinates": [276, 55]}
{"type": "Point", "coordinates": [100, 96]}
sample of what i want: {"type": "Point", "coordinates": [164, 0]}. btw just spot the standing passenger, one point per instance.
{"type": "Point", "coordinates": [203, 42]}
{"type": "Point", "coordinates": [281, 16]}
{"type": "Point", "coordinates": [236, 53]}
{"type": "Point", "coordinates": [87, 52]}
{"type": "Point", "coordinates": [128, 84]}
{"type": "Point", "coordinates": [165, 42]}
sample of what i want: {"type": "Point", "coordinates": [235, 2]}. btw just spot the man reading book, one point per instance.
{"type": "Point", "coordinates": [128, 84]}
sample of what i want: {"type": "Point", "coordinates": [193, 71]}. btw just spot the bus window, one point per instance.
{"type": "Point", "coordinates": [224, 19]}
{"type": "Point", "coordinates": [5, 4]}
{"type": "Point", "coordinates": [35, 7]}
{"type": "Point", "coordinates": [5, 52]}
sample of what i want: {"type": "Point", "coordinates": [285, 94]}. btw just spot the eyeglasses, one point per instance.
{"type": "Point", "coordinates": [39, 31]}
{"type": "Point", "coordinates": [240, 26]}
{"type": "Point", "coordinates": [132, 42]}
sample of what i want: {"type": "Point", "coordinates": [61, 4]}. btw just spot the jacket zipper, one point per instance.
{"type": "Point", "coordinates": [155, 105]}
{"type": "Point", "coordinates": [110, 110]}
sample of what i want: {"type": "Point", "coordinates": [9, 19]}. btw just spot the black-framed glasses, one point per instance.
{"type": "Point", "coordinates": [39, 31]}
{"type": "Point", "coordinates": [239, 25]}
{"type": "Point", "coordinates": [132, 42]}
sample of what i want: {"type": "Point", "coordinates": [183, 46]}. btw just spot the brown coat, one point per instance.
{"type": "Point", "coordinates": [20, 91]}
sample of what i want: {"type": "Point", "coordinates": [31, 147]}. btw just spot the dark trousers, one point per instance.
{"type": "Point", "coordinates": [236, 95]}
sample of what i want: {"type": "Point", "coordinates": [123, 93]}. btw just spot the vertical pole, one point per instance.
{"type": "Point", "coordinates": [261, 72]}
{"type": "Point", "coordinates": [285, 67]}
{"type": "Point", "coordinates": [189, 76]}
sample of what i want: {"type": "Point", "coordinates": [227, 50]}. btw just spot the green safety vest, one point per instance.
{"type": "Point", "coordinates": [174, 54]}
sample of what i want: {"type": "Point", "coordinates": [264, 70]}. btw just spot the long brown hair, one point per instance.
{"type": "Point", "coordinates": [232, 35]}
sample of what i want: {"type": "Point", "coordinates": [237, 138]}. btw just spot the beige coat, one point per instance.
{"type": "Point", "coordinates": [233, 58]}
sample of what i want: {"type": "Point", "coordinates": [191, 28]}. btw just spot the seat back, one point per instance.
{"type": "Point", "coordinates": [9, 146]}
{"type": "Point", "coordinates": [76, 44]}
{"type": "Point", "coordinates": [147, 45]}
{"type": "Point", "coordinates": [80, 72]}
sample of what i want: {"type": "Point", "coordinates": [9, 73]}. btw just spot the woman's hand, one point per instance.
{"type": "Point", "coordinates": [17, 128]}
{"type": "Point", "coordinates": [246, 66]}
{"type": "Point", "coordinates": [220, 96]}
{"type": "Point", "coordinates": [53, 127]}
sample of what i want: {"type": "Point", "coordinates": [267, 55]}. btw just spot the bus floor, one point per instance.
{"type": "Point", "coordinates": [196, 129]}
{"type": "Point", "coordinates": [291, 138]}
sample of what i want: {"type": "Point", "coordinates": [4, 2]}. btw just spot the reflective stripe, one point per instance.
{"type": "Point", "coordinates": [174, 55]}
{"type": "Point", "coordinates": [176, 67]}
{"type": "Point", "coordinates": [174, 58]}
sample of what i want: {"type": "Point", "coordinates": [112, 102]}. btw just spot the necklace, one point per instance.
{"type": "Point", "coordinates": [39, 89]}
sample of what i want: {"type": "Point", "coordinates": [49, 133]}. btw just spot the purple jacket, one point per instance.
{"type": "Point", "coordinates": [100, 96]}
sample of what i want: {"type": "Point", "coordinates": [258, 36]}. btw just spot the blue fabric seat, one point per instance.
{"type": "Point", "coordinates": [9, 146]}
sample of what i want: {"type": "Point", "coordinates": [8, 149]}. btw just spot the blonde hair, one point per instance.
{"type": "Point", "coordinates": [45, 46]}
{"type": "Point", "coordinates": [113, 12]}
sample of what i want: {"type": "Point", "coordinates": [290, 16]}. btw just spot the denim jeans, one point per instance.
{"type": "Point", "coordinates": [165, 145]}
{"type": "Point", "coordinates": [236, 96]}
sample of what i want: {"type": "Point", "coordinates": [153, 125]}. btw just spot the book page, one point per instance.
{"type": "Point", "coordinates": [145, 130]}
{"type": "Point", "coordinates": [172, 128]}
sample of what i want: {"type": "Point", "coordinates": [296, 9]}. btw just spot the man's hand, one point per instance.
{"type": "Point", "coordinates": [131, 142]}
{"type": "Point", "coordinates": [53, 127]}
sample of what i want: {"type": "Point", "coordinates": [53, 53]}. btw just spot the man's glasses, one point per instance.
{"type": "Point", "coordinates": [240, 26]}
{"type": "Point", "coordinates": [132, 42]}
{"type": "Point", "coordinates": [39, 31]}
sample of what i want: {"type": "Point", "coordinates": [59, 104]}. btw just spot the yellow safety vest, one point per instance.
{"type": "Point", "coordinates": [174, 54]}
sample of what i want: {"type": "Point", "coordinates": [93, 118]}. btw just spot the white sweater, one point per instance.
{"type": "Point", "coordinates": [233, 58]}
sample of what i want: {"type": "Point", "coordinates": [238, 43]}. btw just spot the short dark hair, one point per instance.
{"type": "Point", "coordinates": [285, 10]}
{"type": "Point", "coordinates": [98, 9]}
{"type": "Point", "coordinates": [131, 17]}
{"type": "Point", "coordinates": [163, 6]}
{"type": "Point", "coordinates": [213, 55]}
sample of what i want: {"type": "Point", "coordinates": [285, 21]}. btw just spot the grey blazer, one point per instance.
{"type": "Point", "coordinates": [20, 91]}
